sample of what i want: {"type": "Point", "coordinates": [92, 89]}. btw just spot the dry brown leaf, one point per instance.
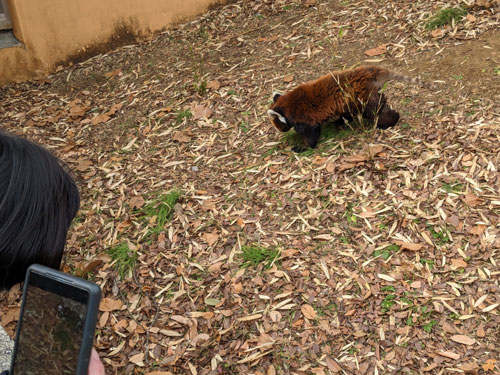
{"type": "Point", "coordinates": [213, 85]}
{"type": "Point", "coordinates": [453, 220]}
{"type": "Point", "coordinates": [309, 3]}
{"type": "Point", "coordinates": [271, 370]}
{"type": "Point", "coordinates": [180, 136]}
{"type": "Point", "coordinates": [84, 164]}
{"type": "Point", "coordinates": [458, 263]}
{"type": "Point", "coordinates": [210, 238]}
{"type": "Point", "coordinates": [379, 50]}
{"type": "Point", "coordinates": [318, 371]}
{"type": "Point", "coordinates": [237, 287]}
{"type": "Point", "coordinates": [201, 111]}
{"type": "Point", "coordinates": [308, 311]}
{"type": "Point", "coordinates": [462, 339]}
{"type": "Point", "coordinates": [325, 237]}
{"type": "Point", "coordinates": [409, 246]}
{"type": "Point", "coordinates": [480, 331]}
{"type": "Point", "coordinates": [468, 367]}
{"type": "Point", "coordinates": [386, 277]}
{"type": "Point", "coordinates": [478, 229]}
{"type": "Point", "coordinates": [100, 119]}
{"type": "Point", "coordinates": [215, 267]}
{"type": "Point", "coordinates": [437, 33]}
{"type": "Point", "coordinates": [332, 365]}
{"type": "Point", "coordinates": [275, 316]}
{"type": "Point", "coordinates": [249, 318]}
{"type": "Point", "coordinates": [12, 315]}
{"type": "Point", "coordinates": [367, 214]}
{"type": "Point", "coordinates": [109, 304]}
{"type": "Point", "coordinates": [114, 73]}
{"type": "Point", "coordinates": [357, 158]}
{"type": "Point", "coordinates": [136, 202]}
{"type": "Point", "coordinates": [289, 253]}
{"type": "Point", "coordinates": [114, 108]}
{"type": "Point", "coordinates": [77, 109]}
{"type": "Point", "coordinates": [490, 307]}
{"type": "Point", "coordinates": [471, 200]}
{"type": "Point", "coordinates": [288, 78]}
{"type": "Point", "coordinates": [416, 284]}
{"type": "Point", "coordinates": [374, 150]}
{"type": "Point", "coordinates": [137, 359]}
{"type": "Point", "coordinates": [103, 319]}
{"type": "Point", "coordinates": [449, 354]}
{"type": "Point", "coordinates": [431, 367]}
{"type": "Point", "coordinates": [489, 365]}
{"type": "Point", "coordinates": [212, 301]}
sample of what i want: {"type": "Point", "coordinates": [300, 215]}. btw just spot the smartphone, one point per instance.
{"type": "Point", "coordinates": [55, 331]}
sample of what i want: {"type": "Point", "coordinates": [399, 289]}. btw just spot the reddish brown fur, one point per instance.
{"type": "Point", "coordinates": [331, 95]}
{"type": "Point", "coordinates": [337, 94]}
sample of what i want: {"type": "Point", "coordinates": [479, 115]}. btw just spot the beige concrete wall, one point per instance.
{"type": "Point", "coordinates": [55, 32]}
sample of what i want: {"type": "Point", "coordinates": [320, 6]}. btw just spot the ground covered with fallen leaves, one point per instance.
{"type": "Point", "coordinates": [220, 251]}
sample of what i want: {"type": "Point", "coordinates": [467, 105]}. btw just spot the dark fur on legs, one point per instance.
{"type": "Point", "coordinates": [38, 201]}
{"type": "Point", "coordinates": [378, 110]}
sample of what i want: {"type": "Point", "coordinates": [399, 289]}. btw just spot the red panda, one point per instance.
{"type": "Point", "coordinates": [342, 93]}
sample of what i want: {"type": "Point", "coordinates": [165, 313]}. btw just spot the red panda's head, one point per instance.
{"type": "Point", "coordinates": [277, 115]}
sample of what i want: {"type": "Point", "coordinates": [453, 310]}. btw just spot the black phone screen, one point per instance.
{"type": "Point", "coordinates": [52, 325]}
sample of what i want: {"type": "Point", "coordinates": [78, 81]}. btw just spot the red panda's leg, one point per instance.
{"type": "Point", "coordinates": [378, 110]}
{"type": "Point", "coordinates": [310, 133]}
{"type": "Point", "coordinates": [387, 117]}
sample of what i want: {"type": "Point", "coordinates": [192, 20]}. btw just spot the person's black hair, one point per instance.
{"type": "Point", "coordinates": [38, 201]}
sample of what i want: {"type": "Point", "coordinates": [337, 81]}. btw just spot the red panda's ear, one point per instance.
{"type": "Point", "coordinates": [275, 115]}
{"type": "Point", "coordinates": [276, 95]}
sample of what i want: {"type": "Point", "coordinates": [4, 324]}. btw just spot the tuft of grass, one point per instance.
{"type": "Point", "coordinates": [124, 258]}
{"type": "Point", "coordinates": [330, 131]}
{"type": "Point", "coordinates": [452, 188]}
{"type": "Point", "coordinates": [255, 255]}
{"type": "Point", "coordinates": [201, 87]}
{"type": "Point", "coordinates": [439, 234]}
{"type": "Point", "coordinates": [387, 302]}
{"type": "Point", "coordinates": [244, 126]}
{"type": "Point", "coordinates": [428, 326]}
{"type": "Point", "coordinates": [182, 115]}
{"type": "Point", "coordinates": [430, 262]}
{"type": "Point", "coordinates": [161, 209]}
{"type": "Point", "coordinates": [445, 17]}
{"type": "Point", "coordinates": [386, 252]}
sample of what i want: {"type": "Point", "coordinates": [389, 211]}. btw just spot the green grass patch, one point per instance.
{"type": "Point", "coordinates": [445, 17]}
{"type": "Point", "coordinates": [124, 258]}
{"type": "Point", "coordinates": [181, 115]}
{"type": "Point", "coordinates": [387, 302]}
{"type": "Point", "coordinates": [388, 288]}
{"type": "Point", "coordinates": [386, 252]}
{"type": "Point", "coordinates": [428, 326]}
{"type": "Point", "coordinates": [440, 235]}
{"type": "Point", "coordinates": [255, 255]}
{"type": "Point", "coordinates": [201, 87]}
{"type": "Point", "coordinates": [330, 132]}
{"type": "Point", "coordinates": [453, 188]}
{"type": "Point", "coordinates": [244, 126]}
{"type": "Point", "coordinates": [430, 262]}
{"type": "Point", "coordinates": [161, 209]}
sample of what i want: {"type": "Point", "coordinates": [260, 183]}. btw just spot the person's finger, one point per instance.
{"type": "Point", "coordinates": [95, 365]}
